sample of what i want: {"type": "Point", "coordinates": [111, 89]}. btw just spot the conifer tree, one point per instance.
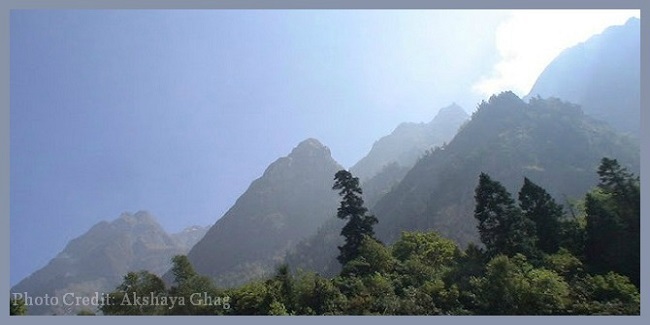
{"type": "Point", "coordinates": [613, 222]}
{"type": "Point", "coordinates": [539, 207]}
{"type": "Point", "coordinates": [502, 226]}
{"type": "Point", "coordinates": [359, 222]}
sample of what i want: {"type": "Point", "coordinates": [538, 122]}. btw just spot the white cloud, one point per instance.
{"type": "Point", "coordinates": [529, 40]}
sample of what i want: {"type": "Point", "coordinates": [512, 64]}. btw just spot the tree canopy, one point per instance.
{"type": "Point", "coordinates": [531, 263]}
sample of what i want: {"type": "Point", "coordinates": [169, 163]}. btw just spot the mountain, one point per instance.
{"type": "Point", "coordinates": [409, 141]}
{"type": "Point", "coordinates": [318, 252]}
{"type": "Point", "coordinates": [389, 160]}
{"type": "Point", "coordinates": [553, 143]}
{"type": "Point", "coordinates": [97, 260]}
{"type": "Point", "coordinates": [602, 75]}
{"type": "Point", "coordinates": [189, 236]}
{"type": "Point", "coordinates": [287, 203]}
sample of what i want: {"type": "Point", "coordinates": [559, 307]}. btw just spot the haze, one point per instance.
{"type": "Point", "coordinates": [176, 112]}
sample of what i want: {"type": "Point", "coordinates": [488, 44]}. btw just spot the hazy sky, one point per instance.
{"type": "Point", "coordinates": [176, 112]}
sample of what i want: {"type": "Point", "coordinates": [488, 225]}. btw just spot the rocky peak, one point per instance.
{"type": "Point", "coordinates": [310, 148]}
{"type": "Point", "coordinates": [450, 113]}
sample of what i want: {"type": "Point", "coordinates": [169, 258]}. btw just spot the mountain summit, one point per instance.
{"type": "Point", "coordinates": [602, 75]}
{"type": "Point", "coordinates": [288, 203]}
{"type": "Point", "coordinates": [409, 141]}
{"type": "Point", "coordinates": [551, 142]}
{"type": "Point", "coordinates": [311, 148]}
{"type": "Point", "coordinates": [97, 260]}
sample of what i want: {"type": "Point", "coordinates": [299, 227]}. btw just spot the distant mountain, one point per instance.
{"type": "Point", "coordinates": [602, 75]}
{"type": "Point", "coordinates": [409, 141]}
{"type": "Point", "coordinates": [389, 160]}
{"type": "Point", "coordinates": [288, 203]}
{"type": "Point", "coordinates": [551, 142]}
{"type": "Point", "coordinates": [383, 182]}
{"type": "Point", "coordinates": [97, 260]}
{"type": "Point", "coordinates": [189, 236]}
{"type": "Point", "coordinates": [317, 253]}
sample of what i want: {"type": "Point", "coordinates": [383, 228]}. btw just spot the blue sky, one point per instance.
{"type": "Point", "coordinates": [176, 112]}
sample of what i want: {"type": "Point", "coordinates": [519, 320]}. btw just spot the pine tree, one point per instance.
{"type": "Point", "coordinates": [613, 222]}
{"type": "Point", "coordinates": [539, 207]}
{"type": "Point", "coordinates": [360, 224]}
{"type": "Point", "coordinates": [182, 269]}
{"type": "Point", "coordinates": [502, 226]}
{"type": "Point", "coordinates": [188, 282]}
{"type": "Point", "coordinates": [286, 282]}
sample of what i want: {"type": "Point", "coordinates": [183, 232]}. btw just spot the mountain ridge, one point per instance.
{"type": "Point", "coordinates": [408, 142]}
{"type": "Point", "coordinates": [548, 141]}
{"type": "Point", "coordinates": [288, 202]}
{"type": "Point", "coordinates": [97, 260]}
{"type": "Point", "coordinates": [602, 74]}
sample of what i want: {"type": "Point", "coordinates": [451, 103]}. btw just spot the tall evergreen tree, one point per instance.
{"type": "Point", "coordinates": [502, 226]}
{"type": "Point", "coordinates": [286, 283]}
{"type": "Point", "coordinates": [187, 283]}
{"type": "Point", "coordinates": [539, 207]}
{"type": "Point", "coordinates": [360, 223]}
{"type": "Point", "coordinates": [182, 269]}
{"type": "Point", "coordinates": [613, 222]}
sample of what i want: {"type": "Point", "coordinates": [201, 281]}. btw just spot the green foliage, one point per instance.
{"type": "Point", "coordinates": [277, 309]}
{"type": "Point", "coordinates": [609, 294]}
{"type": "Point", "coordinates": [423, 258]}
{"type": "Point", "coordinates": [359, 223]}
{"type": "Point", "coordinates": [286, 283]}
{"type": "Point", "coordinates": [429, 248]}
{"type": "Point", "coordinates": [573, 235]}
{"type": "Point", "coordinates": [502, 226]}
{"type": "Point", "coordinates": [197, 291]}
{"type": "Point", "coordinates": [427, 274]}
{"type": "Point", "coordinates": [182, 269]}
{"type": "Point", "coordinates": [124, 300]}
{"type": "Point", "coordinates": [539, 207]}
{"type": "Point", "coordinates": [373, 257]}
{"type": "Point", "coordinates": [469, 264]}
{"type": "Point", "coordinates": [564, 264]}
{"type": "Point", "coordinates": [317, 296]}
{"type": "Point", "coordinates": [86, 313]}
{"type": "Point", "coordinates": [17, 307]}
{"type": "Point", "coordinates": [251, 299]}
{"type": "Point", "coordinates": [613, 223]}
{"type": "Point", "coordinates": [512, 286]}
{"type": "Point", "coordinates": [144, 293]}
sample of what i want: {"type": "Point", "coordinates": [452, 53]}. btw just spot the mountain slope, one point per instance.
{"type": "Point", "coordinates": [549, 141]}
{"type": "Point", "coordinates": [602, 75]}
{"type": "Point", "coordinates": [389, 160]}
{"type": "Point", "coordinates": [289, 202]}
{"type": "Point", "coordinates": [409, 141]}
{"type": "Point", "coordinates": [97, 260]}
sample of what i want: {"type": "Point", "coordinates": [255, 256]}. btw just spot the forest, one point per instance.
{"type": "Point", "coordinates": [536, 257]}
